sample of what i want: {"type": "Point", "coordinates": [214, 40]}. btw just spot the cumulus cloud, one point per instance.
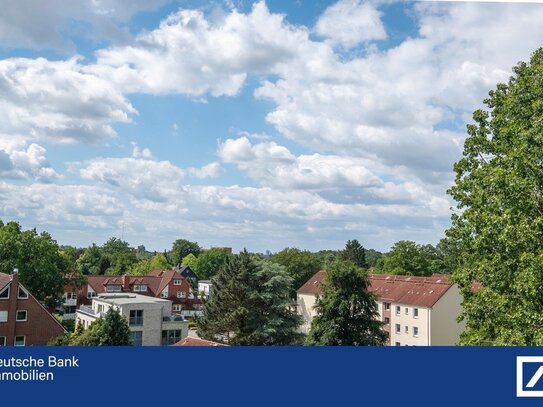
{"type": "Point", "coordinates": [199, 55]}
{"type": "Point", "coordinates": [42, 25]}
{"type": "Point", "coordinates": [350, 22]}
{"type": "Point", "coordinates": [57, 101]}
{"type": "Point", "coordinates": [19, 160]}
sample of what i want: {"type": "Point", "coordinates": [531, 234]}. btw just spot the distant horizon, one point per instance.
{"type": "Point", "coordinates": [258, 125]}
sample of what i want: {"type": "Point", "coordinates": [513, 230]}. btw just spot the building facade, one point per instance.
{"type": "Point", "coordinates": [164, 284]}
{"type": "Point", "coordinates": [415, 311]}
{"type": "Point", "coordinates": [150, 320]}
{"type": "Point", "coordinates": [24, 321]}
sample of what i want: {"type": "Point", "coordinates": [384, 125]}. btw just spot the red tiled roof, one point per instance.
{"type": "Point", "coordinates": [422, 291]}
{"type": "Point", "coordinates": [190, 341]}
{"type": "Point", "coordinates": [5, 279]}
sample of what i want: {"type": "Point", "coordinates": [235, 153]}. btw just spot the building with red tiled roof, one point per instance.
{"type": "Point", "coordinates": [414, 310]}
{"type": "Point", "coordinates": [24, 321]}
{"type": "Point", "coordinates": [190, 341]}
{"type": "Point", "coordinates": [166, 284]}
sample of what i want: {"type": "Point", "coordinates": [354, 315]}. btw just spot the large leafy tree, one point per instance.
{"type": "Point", "coordinates": [346, 310]}
{"type": "Point", "coordinates": [120, 256]}
{"type": "Point", "coordinates": [499, 226]}
{"type": "Point", "coordinates": [143, 267]}
{"type": "Point", "coordinates": [182, 248]}
{"type": "Point", "coordinates": [41, 263]}
{"type": "Point", "coordinates": [300, 265]}
{"type": "Point", "coordinates": [250, 305]}
{"type": "Point", "coordinates": [209, 263]}
{"type": "Point", "coordinates": [407, 258]}
{"type": "Point", "coordinates": [355, 253]}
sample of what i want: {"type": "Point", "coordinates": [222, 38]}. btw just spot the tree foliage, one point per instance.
{"type": "Point", "coordinates": [355, 253]}
{"type": "Point", "coordinates": [182, 248]}
{"type": "Point", "coordinates": [498, 230]}
{"type": "Point", "coordinates": [250, 305]}
{"type": "Point", "coordinates": [299, 265]}
{"type": "Point", "coordinates": [346, 312]}
{"type": "Point", "coordinates": [209, 262]}
{"type": "Point", "coordinates": [145, 266]}
{"type": "Point", "coordinates": [42, 265]}
{"type": "Point", "coordinates": [110, 330]}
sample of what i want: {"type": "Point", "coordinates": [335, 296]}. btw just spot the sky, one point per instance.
{"type": "Point", "coordinates": [247, 124]}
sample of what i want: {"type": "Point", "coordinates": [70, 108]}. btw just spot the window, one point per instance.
{"type": "Point", "coordinates": [398, 328]}
{"type": "Point", "coordinates": [398, 310]}
{"type": "Point", "coordinates": [181, 294]}
{"type": "Point", "coordinates": [22, 294]}
{"type": "Point", "coordinates": [406, 311]}
{"type": "Point", "coordinates": [140, 287]}
{"type": "Point", "coordinates": [406, 329]}
{"type": "Point", "coordinates": [415, 331]}
{"type": "Point", "coordinates": [113, 288]}
{"type": "Point", "coordinates": [20, 340]}
{"type": "Point", "coordinates": [3, 316]}
{"type": "Point", "coordinates": [177, 307]}
{"type": "Point", "coordinates": [21, 316]}
{"type": "Point", "coordinates": [91, 294]}
{"type": "Point", "coordinates": [2, 341]}
{"type": "Point", "coordinates": [415, 312]}
{"type": "Point", "coordinates": [397, 344]}
{"type": "Point", "coordinates": [4, 293]}
{"type": "Point", "coordinates": [136, 318]}
{"type": "Point", "coordinates": [137, 338]}
{"type": "Point", "coordinates": [171, 336]}
{"type": "Point", "coordinates": [387, 306]}
{"type": "Point", "coordinates": [164, 293]}
{"type": "Point", "coordinates": [176, 282]}
{"type": "Point", "coordinates": [387, 320]}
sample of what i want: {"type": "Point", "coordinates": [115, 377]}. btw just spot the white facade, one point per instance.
{"type": "Point", "coordinates": [150, 319]}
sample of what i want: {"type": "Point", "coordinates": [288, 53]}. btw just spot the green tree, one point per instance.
{"type": "Point", "coordinates": [250, 305]}
{"type": "Point", "coordinates": [115, 330]}
{"type": "Point", "coordinates": [346, 310]}
{"type": "Point", "coordinates": [299, 265]}
{"type": "Point", "coordinates": [407, 258]}
{"type": "Point", "coordinates": [144, 267]}
{"type": "Point", "coordinates": [354, 252]}
{"type": "Point", "coordinates": [92, 261]}
{"type": "Point", "coordinates": [182, 248]}
{"type": "Point", "coordinates": [120, 256]}
{"type": "Point", "coordinates": [209, 262]}
{"type": "Point", "coordinates": [190, 260]}
{"type": "Point", "coordinates": [372, 257]}
{"type": "Point", "coordinates": [42, 265]}
{"type": "Point", "coordinates": [92, 336]}
{"type": "Point", "coordinates": [499, 225]}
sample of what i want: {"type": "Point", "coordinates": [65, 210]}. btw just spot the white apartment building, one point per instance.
{"type": "Point", "coordinates": [150, 319]}
{"type": "Point", "coordinates": [416, 311]}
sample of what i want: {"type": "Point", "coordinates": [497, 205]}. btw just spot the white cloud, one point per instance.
{"type": "Point", "coordinates": [19, 160]}
{"type": "Point", "coordinates": [56, 101]}
{"type": "Point", "coordinates": [350, 22]}
{"type": "Point", "coordinates": [199, 56]}
{"type": "Point", "coordinates": [43, 24]}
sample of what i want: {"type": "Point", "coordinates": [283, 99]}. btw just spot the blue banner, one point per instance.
{"type": "Point", "coordinates": [255, 376]}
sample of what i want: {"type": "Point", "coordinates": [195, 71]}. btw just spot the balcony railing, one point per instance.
{"type": "Point", "coordinates": [70, 302]}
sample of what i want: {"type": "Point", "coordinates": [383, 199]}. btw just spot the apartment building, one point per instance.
{"type": "Point", "coordinates": [23, 320]}
{"type": "Point", "coordinates": [415, 311]}
{"type": "Point", "coordinates": [150, 319]}
{"type": "Point", "coordinates": [164, 284]}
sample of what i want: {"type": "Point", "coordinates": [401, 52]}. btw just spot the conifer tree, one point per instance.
{"type": "Point", "coordinates": [115, 330]}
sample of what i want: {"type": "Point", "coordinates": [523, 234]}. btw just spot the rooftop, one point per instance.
{"type": "Point", "coordinates": [125, 298]}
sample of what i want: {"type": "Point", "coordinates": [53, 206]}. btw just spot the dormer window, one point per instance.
{"type": "Point", "coordinates": [113, 288]}
{"type": "Point", "coordinates": [139, 288]}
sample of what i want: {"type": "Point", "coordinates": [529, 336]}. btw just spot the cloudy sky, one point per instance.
{"type": "Point", "coordinates": [259, 124]}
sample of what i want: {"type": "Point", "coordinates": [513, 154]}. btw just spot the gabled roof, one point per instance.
{"type": "Point", "coordinates": [190, 341]}
{"type": "Point", "coordinates": [156, 281]}
{"type": "Point", "coordinates": [409, 290]}
{"type": "Point", "coordinates": [5, 279]}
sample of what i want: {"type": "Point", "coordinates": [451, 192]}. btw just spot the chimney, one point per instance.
{"type": "Point", "coordinates": [125, 283]}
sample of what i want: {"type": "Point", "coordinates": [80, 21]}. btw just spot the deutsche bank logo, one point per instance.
{"type": "Point", "coordinates": [529, 376]}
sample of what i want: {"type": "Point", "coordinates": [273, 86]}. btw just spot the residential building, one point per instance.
{"type": "Point", "coordinates": [188, 274]}
{"type": "Point", "coordinates": [415, 311]}
{"type": "Point", "coordinates": [204, 289]}
{"type": "Point", "coordinates": [150, 319]}
{"type": "Point", "coordinates": [24, 321]}
{"type": "Point", "coordinates": [165, 284]}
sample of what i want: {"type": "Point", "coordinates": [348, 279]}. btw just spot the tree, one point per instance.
{"type": "Point", "coordinates": [92, 261]}
{"type": "Point", "coordinates": [355, 253]}
{"type": "Point", "coordinates": [250, 305]}
{"type": "Point", "coordinates": [42, 265]}
{"type": "Point", "coordinates": [346, 310]}
{"type": "Point", "coordinates": [498, 228]}
{"type": "Point", "coordinates": [406, 258]}
{"type": "Point", "coordinates": [144, 267]}
{"type": "Point", "coordinates": [120, 255]}
{"type": "Point", "coordinates": [182, 248]}
{"type": "Point", "coordinates": [299, 265]}
{"type": "Point", "coordinates": [209, 262]}
{"type": "Point", "coordinates": [190, 260]}
{"type": "Point", "coordinates": [115, 330]}
{"type": "Point", "coordinates": [88, 337]}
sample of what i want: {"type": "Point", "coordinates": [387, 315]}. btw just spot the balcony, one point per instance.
{"type": "Point", "coordinates": [70, 302]}
{"type": "Point", "coordinates": [89, 311]}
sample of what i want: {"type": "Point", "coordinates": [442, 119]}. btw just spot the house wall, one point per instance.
{"type": "Point", "coordinates": [445, 330]}
{"type": "Point", "coordinates": [407, 319]}
{"type": "Point", "coordinates": [305, 304]}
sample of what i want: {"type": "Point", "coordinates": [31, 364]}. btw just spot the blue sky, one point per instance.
{"type": "Point", "coordinates": [257, 124]}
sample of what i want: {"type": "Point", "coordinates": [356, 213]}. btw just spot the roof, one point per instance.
{"type": "Point", "coordinates": [125, 298]}
{"type": "Point", "coordinates": [5, 279]}
{"type": "Point", "coordinates": [190, 341]}
{"type": "Point", "coordinates": [156, 281]}
{"type": "Point", "coordinates": [409, 290]}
